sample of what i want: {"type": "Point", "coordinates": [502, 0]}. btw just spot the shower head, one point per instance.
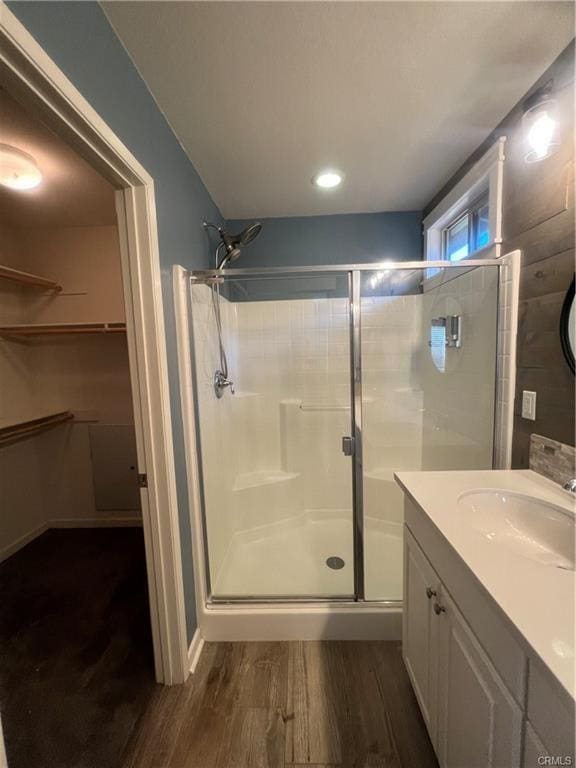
{"type": "Point", "coordinates": [234, 243]}
{"type": "Point", "coordinates": [230, 255]}
{"type": "Point", "coordinates": [248, 234]}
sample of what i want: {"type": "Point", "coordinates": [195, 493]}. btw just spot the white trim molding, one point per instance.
{"type": "Point", "coordinates": [22, 541]}
{"type": "Point", "coordinates": [30, 74]}
{"type": "Point", "coordinates": [195, 651]}
{"type": "Point", "coordinates": [183, 315]}
{"type": "Point", "coordinates": [509, 289]}
{"type": "Point", "coordinates": [126, 521]}
{"type": "Point", "coordinates": [486, 176]}
{"type": "Point", "coordinates": [3, 759]}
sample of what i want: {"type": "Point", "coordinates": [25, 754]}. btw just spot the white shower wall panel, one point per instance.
{"type": "Point", "coordinates": [271, 452]}
{"type": "Point", "coordinates": [459, 400]}
{"type": "Point", "coordinates": [215, 424]}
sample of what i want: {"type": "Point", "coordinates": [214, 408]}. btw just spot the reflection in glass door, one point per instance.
{"type": "Point", "coordinates": [428, 383]}
{"type": "Point", "coordinates": [277, 484]}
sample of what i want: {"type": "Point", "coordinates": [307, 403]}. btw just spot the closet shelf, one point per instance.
{"type": "Point", "coordinates": [45, 329]}
{"type": "Point", "coordinates": [22, 429]}
{"type": "Point", "coordinates": [28, 279]}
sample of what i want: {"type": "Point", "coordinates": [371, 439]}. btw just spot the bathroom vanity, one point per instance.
{"type": "Point", "coordinates": [488, 625]}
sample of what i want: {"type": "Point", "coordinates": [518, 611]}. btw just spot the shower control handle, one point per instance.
{"type": "Point", "coordinates": [430, 592]}
{"type": "Point", "coordinates": [348, 446]}
{"type": "Point", "coordinates": [220, 383]}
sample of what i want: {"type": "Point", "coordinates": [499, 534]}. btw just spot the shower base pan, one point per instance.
{"type": "Point", "coordinates": [296, 557]}
{"type": "Point", "coordinates": [311, 552]}
{"type": "Point", "coordinates": [301, 621]}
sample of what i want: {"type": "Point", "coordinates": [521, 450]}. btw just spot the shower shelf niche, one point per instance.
{"type": "Point", "coordinates": [262, 477]}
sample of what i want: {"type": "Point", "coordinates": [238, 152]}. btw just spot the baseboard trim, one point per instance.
{"type": "Point", "coordinates": [3, 758]}
{"type": "Point", "coordinates": [195, 651]}
{"type": "Point", "coordinates": [17, 545]}
{"type": "Point", "coordinates": [96, 522]}
{"type": "Point", "coordinates": [89, 522]}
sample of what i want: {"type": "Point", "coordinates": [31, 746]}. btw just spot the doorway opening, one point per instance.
{"type": "Point", "coordinates": [31, 79]}
{"type": "Point", "coordinates": [73, 564]}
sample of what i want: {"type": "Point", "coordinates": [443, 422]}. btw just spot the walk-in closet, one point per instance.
{"type": "Point", "coordinates": [72, 559]}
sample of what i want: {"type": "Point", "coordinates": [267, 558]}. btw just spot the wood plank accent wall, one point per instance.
{"type": "Point", "coordinates": [538, 218]}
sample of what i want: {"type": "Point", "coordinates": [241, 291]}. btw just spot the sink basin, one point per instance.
{"type": "Point", "coordinates": [528, 526]}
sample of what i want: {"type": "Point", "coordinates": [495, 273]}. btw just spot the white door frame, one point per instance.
{"type": "Point", "coordinates": [31, 75]}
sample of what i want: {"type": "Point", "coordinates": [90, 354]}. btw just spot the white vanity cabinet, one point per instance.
{"type": "Point", "coordinates": [479, 723]}
{"type": "Point", "coordinates": [419, 640]}
{"type": "Point", "coordinates": [473, 720]}
{"type": "Point", "coordinates": [487, 644]}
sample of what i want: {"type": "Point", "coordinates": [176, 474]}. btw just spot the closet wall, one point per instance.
{"type": "Point", "coordinates": [83, 471]}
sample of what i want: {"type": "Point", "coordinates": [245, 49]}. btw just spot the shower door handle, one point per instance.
{"type": "Point", "coordinates": [348, 446]}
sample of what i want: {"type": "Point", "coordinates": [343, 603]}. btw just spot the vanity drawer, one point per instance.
{"type": "Point", "coordinates": [551, 712]}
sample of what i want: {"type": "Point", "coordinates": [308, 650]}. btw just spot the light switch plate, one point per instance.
{"type": "Point", "coordinates": [529, 405]}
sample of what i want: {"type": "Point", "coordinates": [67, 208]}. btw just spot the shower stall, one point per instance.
{"type": "Point", "coordinates": [339, 377]}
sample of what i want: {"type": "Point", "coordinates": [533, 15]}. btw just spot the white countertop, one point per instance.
{"type": "Point", "coordinates": [537, 599]}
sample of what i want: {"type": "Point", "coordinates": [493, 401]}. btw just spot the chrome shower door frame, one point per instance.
{"type": "Point", "coordinates": [354, 273]}
{"type": "Point", "coordinates": [355, 309]}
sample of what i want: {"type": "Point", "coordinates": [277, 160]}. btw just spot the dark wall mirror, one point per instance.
{"type": "Point", "coordinates": [568, 327]}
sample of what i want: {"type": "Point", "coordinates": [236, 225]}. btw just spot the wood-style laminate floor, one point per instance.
{"type": "Point", "coordinates": [77, 689]}
{"type": "Point", "coordinates": [282, 705]}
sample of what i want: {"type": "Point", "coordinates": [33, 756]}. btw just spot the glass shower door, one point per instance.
{"type": "Point", "coordinates": [428, 390]}
{"type": "Point", "coordinates": [277, 486]}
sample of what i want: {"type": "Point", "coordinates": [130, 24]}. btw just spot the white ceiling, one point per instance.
{"type": "Point", "coordinates": [396, 94]}
{"type": "Point", "coordinates": [71, 194]}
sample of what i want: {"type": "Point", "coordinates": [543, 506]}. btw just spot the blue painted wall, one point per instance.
{"type": "Point", "coordinates": [339, 239]}
{"type": "Point", "coordinates": [78, 37]}
{"type": "Point", "coordinates": [343, 239]}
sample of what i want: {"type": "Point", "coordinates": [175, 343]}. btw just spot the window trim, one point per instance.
{"type": "Point", "coordinates": [485, 177]}
{"type": "Point", "coordinates": [471, 215]}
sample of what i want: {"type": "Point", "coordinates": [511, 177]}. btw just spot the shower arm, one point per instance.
{"type": "Point", "coordinates": [209, 225]}
{"type": "Point", "coordinates": [224, 243]}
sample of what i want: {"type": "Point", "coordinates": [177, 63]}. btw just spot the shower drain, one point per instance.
{"type": "Point", "coordinates": [336, 563]}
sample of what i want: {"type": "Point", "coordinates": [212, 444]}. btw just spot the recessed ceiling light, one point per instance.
{"type": "Point", "coordinates": [328, 179]}
{"type": "Point", "coordinates": [18, 170]}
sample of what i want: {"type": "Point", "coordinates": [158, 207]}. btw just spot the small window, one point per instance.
{"type": "Point", "coordinates": [468, 233]}
{"type": "Point", "coordinates": [481, 222]}
{"type": "Point", "coordinates": [456, 239]}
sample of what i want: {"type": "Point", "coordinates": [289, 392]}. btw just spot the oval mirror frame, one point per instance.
{"type": "Point", "coordinates": [567, 326]}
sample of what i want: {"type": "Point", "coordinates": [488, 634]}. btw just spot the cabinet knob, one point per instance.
{"type": "Point", "coordinates": [438, 609]}
{"type": "Point", "coordinates": [430, 592]}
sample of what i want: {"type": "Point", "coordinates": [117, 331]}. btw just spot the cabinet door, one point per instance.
{"type": "Point", "coordinates": [534, 750]}
{"type": "Point", "coordinates": [419, 642]}
{"type": "Point", "coordinates": [479, 723]}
